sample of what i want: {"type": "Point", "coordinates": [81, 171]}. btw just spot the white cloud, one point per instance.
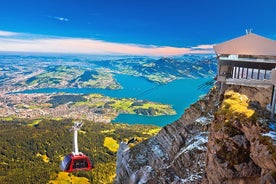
{"type": "Point", "coordinates": [62, 19]}
{"type": "Point", "coordinates": [7, 33]}
{"type": "Point", "coordinates": [59, 18]}
{"type": "Point", "coordinates": [203, 47]}
{"type": "Point", "coordinates": [90, 46]}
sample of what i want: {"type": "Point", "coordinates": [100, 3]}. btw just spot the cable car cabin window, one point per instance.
{"type": "Point", "coordinates": [65, 163]}
{"type": "Point", "coordinates": [80, 163]}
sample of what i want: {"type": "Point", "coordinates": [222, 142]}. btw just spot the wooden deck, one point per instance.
{"type": "Point", "coordinates": [250, 82]}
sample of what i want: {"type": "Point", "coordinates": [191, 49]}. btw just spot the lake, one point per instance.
{"type": "Point", "coordinates": [179, 93]}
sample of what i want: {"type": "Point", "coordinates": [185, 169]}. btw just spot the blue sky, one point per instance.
{"type": "Point", "coordinates": [181, 24]}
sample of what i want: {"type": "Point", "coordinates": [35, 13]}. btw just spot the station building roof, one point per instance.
{"type": "Point", "coordinates": [249, 44]}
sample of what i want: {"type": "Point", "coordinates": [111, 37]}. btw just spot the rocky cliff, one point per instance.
{"type": "Point", "coordinates": [219, 139]}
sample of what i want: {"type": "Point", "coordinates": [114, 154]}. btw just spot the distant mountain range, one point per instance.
{"type": "Point", "coordinates": [18, 71]}
{"type": "Point", "coordinates": [166, 69]}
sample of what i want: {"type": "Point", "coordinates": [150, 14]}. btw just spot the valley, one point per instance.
{"type": "Point", "coordinates": [41, 97]}
{"type": "Point", "coordinates": [92, 88]}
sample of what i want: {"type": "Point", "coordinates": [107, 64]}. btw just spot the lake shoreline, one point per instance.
{"type": "Point", "coordinates": [179, 93]}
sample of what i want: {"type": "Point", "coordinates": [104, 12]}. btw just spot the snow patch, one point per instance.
{"type": "Point", "coordinates": [192, 178]}
{"type": "Point", "coordinates": [198, 142]}
{"type": "Point", "coordinates": [141, 176]}
{"type": "Point", "coordinates": [271, 134]}
{"type": "Point", "coordinates": [204, 120]}
{"type": "Point", "coordinates": [157, 151]}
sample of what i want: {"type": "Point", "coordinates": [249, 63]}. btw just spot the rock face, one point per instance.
{"type": "Point", "coordinates": [237, 151]}
{"type": "Point", "coordinates": [210, 143]}
{"type": "Point", "coordinates": [176, 154]}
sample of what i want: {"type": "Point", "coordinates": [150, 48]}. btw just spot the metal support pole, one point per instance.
{"type": "Point", "coordinates": [273, 81]}
{"type": "Point", "coordinates": [221, 87]}
{"type": "Point", "coordinates": [75, 143]}
{"type": "Point", "coordinates": [271, 100]}
{"type": "Point", "coordinates": [273, 106]}
{"type": "Point", "coordinates": [258, 76]}
{"type": "Point", "coordinates": [231, 71]}
{"type": "Point", "coordinates": [76, 128]}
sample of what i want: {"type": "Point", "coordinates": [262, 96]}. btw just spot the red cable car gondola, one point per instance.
{"type": "Point", "coordinates": [76, 161]}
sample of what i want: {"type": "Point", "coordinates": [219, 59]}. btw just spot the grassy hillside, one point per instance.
{"type": "Point", "coordinates": [30, 151]}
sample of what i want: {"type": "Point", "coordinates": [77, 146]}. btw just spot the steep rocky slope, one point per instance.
{"type": "Point", "coordinates": [175, 154]}
{"type": "Point", "coordinates": [237, 150]}
{"type": "Point", "coordinates": [214, 141]}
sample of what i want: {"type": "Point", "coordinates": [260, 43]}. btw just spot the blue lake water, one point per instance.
{"type": "Point", "coordinates": [179, 93]}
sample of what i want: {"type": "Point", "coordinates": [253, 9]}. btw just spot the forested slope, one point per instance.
{"type": "Point", "coordinates": [30, 151]}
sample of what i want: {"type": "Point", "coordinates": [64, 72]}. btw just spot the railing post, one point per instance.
{"type": "Point", "coordinates": [273, 81]}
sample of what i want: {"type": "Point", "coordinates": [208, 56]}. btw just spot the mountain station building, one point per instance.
{"type": "Point", "coordinates": [249, 60]}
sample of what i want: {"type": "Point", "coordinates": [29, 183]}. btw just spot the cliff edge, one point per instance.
{"type": "Point", "coordinates": [219, 139]}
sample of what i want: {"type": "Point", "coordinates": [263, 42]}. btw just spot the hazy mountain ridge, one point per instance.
{"type": "Point", "coordinates": [165, 69]}
{"type": "Point", "coordinates": [32, 72]}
